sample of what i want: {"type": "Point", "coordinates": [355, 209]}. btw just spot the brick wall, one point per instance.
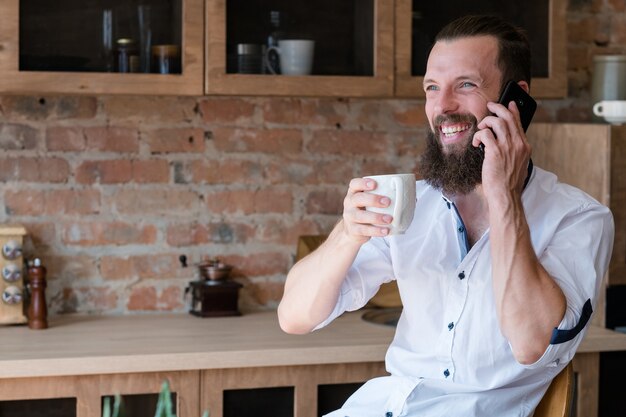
{"type": "Point", "coordinates": [113, 189]}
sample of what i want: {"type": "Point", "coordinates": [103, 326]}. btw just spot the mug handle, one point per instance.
{"type": "Point", "coordinates": [597, 109]}
{"type": "Point", "coordinates": [399, 201]}
{"type": "Point", "coordinates": [275, 50]}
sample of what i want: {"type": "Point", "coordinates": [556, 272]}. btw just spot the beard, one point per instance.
{"type": "Point", "coordinates": [457, 171]}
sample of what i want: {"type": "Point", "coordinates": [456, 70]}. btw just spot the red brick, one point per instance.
{"type": "Point", "coordinates": [617, 5]}
{"type": "Point", "coordinates": [157, 266]}
{"type": "Point", "coordinates": [24, 202]}
{"type": "Point", "coordinates": [582, 30]}
{"type": "Point", "coordinates": [65, 139]}
{"type": "Point", "coordinates": [189, 234]}
{"type": "Point", "coordinates": [42, 235]}
{"type": "Point", "coordinates": [311, 171]}
{"type": "Point", "coordinates": [104, 172]}
{"type": "Point", "coordinates": [274, 141]}
{"type": "Point", "coordinates": [149, 109]}
{"type": "Point", "coordinates": [81, 202]}
{"type": "Point", "coordinates": [230, 232]}
{"type": "Point", "coordinates": [229, 171]}
{"type": "Point", "coordinates": [181, 140]}
{"type": "Point", "coordinates": [305, 112]}
{"type": "Point", "coordinates": [413, 115]}
{"type": "Point", "coordinates": [265, 292]}
{"type": "Point", "coordinates": [46, 170]}
{"type": "Point", "coordinates": [170, 299]}
{"type": "Point", "coordinates": [84, 299]}
{"type": "Point", "coordinates": [325, 202]}
{"type": "Point", "coordinates": [18, 137]}
{"type": "Point", "coordinates": [339, 142]}
{"type": "Point", "coordinates": [112, 139]}
{"type": "Point", "coordinates": [156, 201]}
{"type": "Point", "coordinates": [8, 169]}
{"type": "Point", "coordinates": [50, 108]}
{"type": "Point", "coordinates": [578, 57]}
{"type": "Point", "coordinates": [151, 171]}
{"type": "Point", "coordinates": [250, 201]}
{"type": "Point", "coordinates": [115, 268]}
{"type": "Point", "coordinates": [618, 31]}
{"type": "Point", "coordinates": [193, 234]}
{"type": "Point", "coordinates": [67, 268]}
{"type": "Point", "coordinates": [284, 232]}
{"type": "Point", "coordinates": [142, 299]}
{"type": "Point", "coordinates": [227, 110]}
{"type": "Point", "coordinates": [258, 264]}
{"type": "Point", "coordinates": [98, 233]}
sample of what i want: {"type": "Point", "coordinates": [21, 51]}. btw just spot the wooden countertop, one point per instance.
{"type": "Point", "coordinates": [83, 345]}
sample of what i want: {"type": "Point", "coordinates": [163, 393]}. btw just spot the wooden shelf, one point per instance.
{"type": "Point", "coordinates": [555, 85]}
{"type": "Point", "coordinates": [13, 80]}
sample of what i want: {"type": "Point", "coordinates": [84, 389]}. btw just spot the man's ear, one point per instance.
{"type": "Point", "coordinates": [524, 85]}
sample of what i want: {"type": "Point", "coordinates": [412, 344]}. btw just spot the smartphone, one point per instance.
{"type": "Point", "coordinates": [526, 105]}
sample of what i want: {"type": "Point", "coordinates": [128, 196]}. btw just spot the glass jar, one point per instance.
{"type": "Point", "coordinates": [166, 59]}
{"type": "Point", "coordinates": [127, 56]}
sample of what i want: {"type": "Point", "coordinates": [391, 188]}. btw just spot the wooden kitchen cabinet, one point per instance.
{"type": "Point", "coordinates": [283, 391]}
{"type": "Point", "coordinates": [418, 21]}
{"type": "Point", "coordinates": [82, 396]}
{"type": "Point", "coordinates": [353, 54]}
{"type": "Point", "coordinates": [590, 157]}
{"type": "Point", "coordinates": [59, 47]}
{"type": "Point", "coordinates": [363, 48]}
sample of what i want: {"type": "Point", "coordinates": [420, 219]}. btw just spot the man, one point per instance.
{"type": "Point", "coordinates": [500, 269]}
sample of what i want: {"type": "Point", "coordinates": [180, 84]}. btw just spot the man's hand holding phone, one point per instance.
{"type": "Point", "coordinates": [502, 134]}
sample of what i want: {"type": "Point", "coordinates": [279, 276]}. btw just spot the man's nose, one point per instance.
{"type": "Point", "coordinates": [446, 102]}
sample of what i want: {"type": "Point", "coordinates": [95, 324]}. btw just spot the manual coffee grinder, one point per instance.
{"type": "Point", "coordinates": [214, 295]}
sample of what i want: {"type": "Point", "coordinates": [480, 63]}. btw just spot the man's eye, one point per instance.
{"type": "Point", "coordinates": [431, 88]}
{"type": "Point", "coordinates": [467, 84]}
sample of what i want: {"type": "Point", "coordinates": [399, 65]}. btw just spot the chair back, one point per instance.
{"type": "Point", "coordinates": [557, 401]}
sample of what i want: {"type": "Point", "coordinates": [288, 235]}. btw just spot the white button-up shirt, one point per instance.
{"type": "Point", "coordinates": [449, 357]}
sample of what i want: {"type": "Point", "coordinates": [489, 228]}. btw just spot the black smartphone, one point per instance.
{"type": "Point", "coordinates": [526, 105]}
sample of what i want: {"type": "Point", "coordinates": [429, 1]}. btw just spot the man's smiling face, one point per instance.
{"type": "Point", "coordinates": [462, 75]}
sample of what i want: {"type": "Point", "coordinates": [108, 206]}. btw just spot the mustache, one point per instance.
{"type": "Point", "coordinates": [455, 118]}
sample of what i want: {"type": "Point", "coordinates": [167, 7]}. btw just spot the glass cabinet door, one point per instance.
{"type": "Point", "coordinates": [102, 46]}
{"type": "Point", "coordinates": [418, 21]}
{"type": "Point", "coordinates": [286, 47]}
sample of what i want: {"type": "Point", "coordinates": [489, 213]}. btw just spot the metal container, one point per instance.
{"type": "Point", "coordinates": [609, 79]}
{"type": "Point", "coordinates": [249, 58]}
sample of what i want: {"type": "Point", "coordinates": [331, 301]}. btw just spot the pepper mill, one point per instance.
{"type": "Point", "coordinates": [37, 310]}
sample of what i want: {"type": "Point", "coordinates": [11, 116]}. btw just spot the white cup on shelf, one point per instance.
{"type": "Point", "coordinates": [295, 56]}
{"type": "Point", "coordinates": [613, 111]}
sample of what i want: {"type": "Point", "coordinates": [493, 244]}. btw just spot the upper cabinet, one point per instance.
{"type": "Point", "coordinates": [418, 21]}
{"type": "Point", "coordinates": [102, 46]}
{"type": "Point", "coordinates": [286, 47]}
{"type": "Point", "coordinates": [332, 48]}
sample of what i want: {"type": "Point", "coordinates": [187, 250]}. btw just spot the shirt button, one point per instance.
{"type": "Point", "coordinates": [450, 325]}
{"type": "Point", "coordinates": [446, 373]}
{"type": "Point", "coordinates": [461, 229]}
{"type": "Point", "coordinates": [388, 414]}
{"type": "Point", "coordinates": [462, 275]}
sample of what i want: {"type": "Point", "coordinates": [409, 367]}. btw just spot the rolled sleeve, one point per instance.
{"type": "Point", "coordinates": [577, 259]}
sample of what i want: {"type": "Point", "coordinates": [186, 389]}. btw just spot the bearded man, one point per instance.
{"type": "Point", "coordinates": [500, 269]}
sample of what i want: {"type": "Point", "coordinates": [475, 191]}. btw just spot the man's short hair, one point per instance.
{"type": "Point", "coordinates": [513, 45]}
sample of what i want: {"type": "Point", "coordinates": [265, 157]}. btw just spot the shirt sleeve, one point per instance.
{"type": "Point", "coordinates": [577, 258]}
{"type": "Point", "coordinates": [371, 268]}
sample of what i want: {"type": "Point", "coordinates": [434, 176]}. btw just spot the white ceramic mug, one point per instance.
{"type": "Point", "coordinates": [296, 56]}
{"type": "Point", "coordinates": [613, 111]}
{"type": "Point", "coordinates": [400, 189]}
